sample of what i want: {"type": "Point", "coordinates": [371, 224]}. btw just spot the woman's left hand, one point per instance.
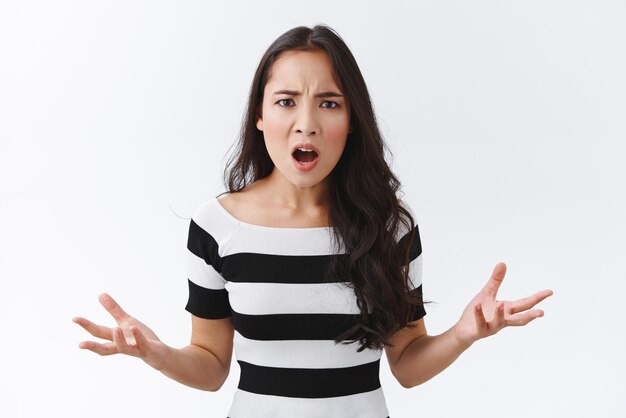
{"type": "Point", "coordinates": [485, 316]}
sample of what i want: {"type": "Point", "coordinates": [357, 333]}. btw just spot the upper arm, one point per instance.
{"type": "Point", "coordinates": [215, 336]}
{"type": "Point", "coordinates": [400, 340]}
{"type": "Point", "coordinates": [403, 337]}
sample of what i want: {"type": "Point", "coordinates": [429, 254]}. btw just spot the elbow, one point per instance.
{"type": "Point", "coordinates": [213, 385]}
{"type": "Point", "coordinates": [409, 385]}
{"type": "Point", "coordinates": [406, 383]}
{"type": "Point", "coordinates": [220, 383]}
{"type": "Point", "coordinates": [213, 388]}
{"type": "Point", "coordinates": [402, 380]}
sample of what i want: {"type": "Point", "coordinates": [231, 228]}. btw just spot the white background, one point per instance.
{"type": "Point", "coordinates": [506, 120]}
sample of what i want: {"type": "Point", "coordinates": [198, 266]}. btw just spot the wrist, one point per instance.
{"type": "Point", "coordinates": [463, 342]}
{"type": "Point", "coordinates": [161, 358]}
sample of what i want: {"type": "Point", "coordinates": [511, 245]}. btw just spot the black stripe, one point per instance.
{"type": "Point", "coordinates": [309, 383]}
{"type": "Point", "coordinates": [208, 303]}
{"type": "Point", "coordinates": [312, 326]}
{"type": "Point", "coordinates": [203, 245]}
{"type": "Point", "coordinates": [274, 268]}
{"type": "Point", "coordinates": [416, 250]}
{"type": "Point", "coordinates": [419, 312]}
{"type": "Point", "coordinates": [416, 245]}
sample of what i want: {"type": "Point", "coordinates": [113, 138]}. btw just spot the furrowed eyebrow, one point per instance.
{"type": "Point", "coordinates": [297, 93]}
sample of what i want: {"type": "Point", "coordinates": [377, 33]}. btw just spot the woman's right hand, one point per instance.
{"type": "Point", "coordinates": [130, 337]}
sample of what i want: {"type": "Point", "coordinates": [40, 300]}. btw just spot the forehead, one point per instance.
{"type": "Point", "coordinates": [298, 68]}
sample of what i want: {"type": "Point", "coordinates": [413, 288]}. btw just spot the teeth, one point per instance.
{"type": "Point", "coordinates": [305, 150]}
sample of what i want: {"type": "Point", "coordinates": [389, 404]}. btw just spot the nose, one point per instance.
{"type": "Point", "coordinates": [306, 120]}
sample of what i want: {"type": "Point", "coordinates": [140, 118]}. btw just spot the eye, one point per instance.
{"type": "Point", "coordinates": [333, 105]}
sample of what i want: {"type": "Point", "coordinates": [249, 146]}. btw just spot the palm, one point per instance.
{"type": "Point", "coordinates": [485, 316]}
{"type": "Point", "coordinates": [129, 321]}
{"type": "Point", "coordinates": [131, 336]}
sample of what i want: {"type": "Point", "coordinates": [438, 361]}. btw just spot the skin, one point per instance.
{"type": "Point", "coordinates": [285, 120]}
{"type": "Point", "coordinates": [288, 119]}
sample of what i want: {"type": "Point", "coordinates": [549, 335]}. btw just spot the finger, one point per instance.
{"type": "Point", "coordinates": [103, 349]}
{"type": "Point", "coordinates": [481, 323]}
{"type": "Point", "coordinates": [99, 331]}
{"type": "Point", "coordinates": [499, 320]}
{"type": "Point", "coordinates": [112, 306]}
{"type": "Point", "coordinates": [529, 301]}
{"type": "Point", "coordinates": [492, 286]}
{"type": "Point", "coordinates": [140, 340]}
{"type": "Point", "coordinates": [524, 318]}
{"type": "Point", "coordinates": [120, 341]}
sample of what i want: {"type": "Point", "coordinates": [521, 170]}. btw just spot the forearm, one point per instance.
{"type": "Point", "coordinates": [195, 367]}
{"type": "Point", "coordinates": [428, 356]}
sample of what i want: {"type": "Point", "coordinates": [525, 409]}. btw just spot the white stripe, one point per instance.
{"type": "Point", "coordinates": [203, 274]}
{"type": "Point", "coordinates": [284, 298]}
{"type": "Point", "coordinates": [363, 405]}
{"type": "Point", "coordinates": [302, 354]}
{"type": "Point", "coordinates": [283, 242]}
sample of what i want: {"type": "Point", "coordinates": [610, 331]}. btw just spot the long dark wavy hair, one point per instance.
{"type": "Point", "coordinates": [364, 209]}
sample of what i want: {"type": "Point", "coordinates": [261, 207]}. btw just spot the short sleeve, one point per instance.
{"type": "Point", "coordinates": [208, 297]}
{"type": "Point", "coordinates": [415, 264]}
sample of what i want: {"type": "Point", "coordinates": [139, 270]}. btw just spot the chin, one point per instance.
{"type": "Point", "coordinates": [303, 179]}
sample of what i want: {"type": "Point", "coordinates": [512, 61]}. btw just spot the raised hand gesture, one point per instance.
{"type": "Point", "coordinates": [485, 316]}
{"type": "Point", "coordinates": [130, 337]}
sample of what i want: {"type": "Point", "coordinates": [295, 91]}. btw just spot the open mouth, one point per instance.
{"type": "Point", "coordinates": [304, 156]}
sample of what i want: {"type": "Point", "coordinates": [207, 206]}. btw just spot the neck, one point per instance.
{"type": "Point", "coordinates": [295, 196]}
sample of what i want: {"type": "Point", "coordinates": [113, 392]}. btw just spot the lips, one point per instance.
{"type": "Point", "coordinates": [305, 160]}
{"type": "Point", "coordinates": [304, 145]}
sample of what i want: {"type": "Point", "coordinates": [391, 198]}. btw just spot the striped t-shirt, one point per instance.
{"type": "Point", "coordinates": [269, 279]}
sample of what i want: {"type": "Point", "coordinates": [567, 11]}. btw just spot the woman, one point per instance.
{"type": "Point", "coordinates": [309, 172]}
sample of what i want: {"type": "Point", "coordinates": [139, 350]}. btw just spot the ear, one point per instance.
{"type": "Point", "coordinates": [350, 130]}
{"type": "Point", "coordinates": [259, 121]}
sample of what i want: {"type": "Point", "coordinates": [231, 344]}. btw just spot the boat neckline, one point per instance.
{"type": "Point", "coordinates": [282, 228]}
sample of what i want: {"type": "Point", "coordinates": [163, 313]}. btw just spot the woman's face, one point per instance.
{"type": "Point", "coordinates": [302, 104]}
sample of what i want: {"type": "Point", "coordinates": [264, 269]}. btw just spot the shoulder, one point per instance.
{"type": "Point", "coordinates": [234, 203]}
{"type": "Point", "coordinates": [246, 204]}
{"type": "Point", "coordinates": [210, 223]}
